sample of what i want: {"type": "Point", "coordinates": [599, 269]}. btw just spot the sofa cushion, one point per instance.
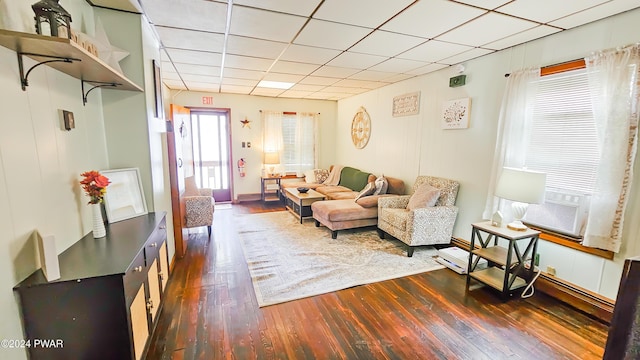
{"type": "Point", "coordinates": [342, 195]}
{"type": "Point", "coordinates": [316, 176]}
{"type": "Point", "coordinates": [424, 196]}
{"type": "Point", "coordinates": [371, 201]}
{"type": "Point", "coordinates": [394, 217]}
{"type": "Point", "coordinates": [354, 179]}
{"type": "Point", "coordinates": [368, 190]}
{"type": "Point", "coordinates": [342, 210]}
{"type": "Point", "coordinates": [330, 189]}
{"type": "Point", "coordinates": [396, 186]}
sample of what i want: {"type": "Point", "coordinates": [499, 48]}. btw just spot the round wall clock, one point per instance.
{"type": "Point", "coordinates": [361, 128]}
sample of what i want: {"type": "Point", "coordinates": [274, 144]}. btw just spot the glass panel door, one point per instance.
{"type": "Point", "coordinates": [211, 152]}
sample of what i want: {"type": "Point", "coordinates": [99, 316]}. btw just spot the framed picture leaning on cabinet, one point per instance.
{"type": "Point", "coordinates": [124, 198]}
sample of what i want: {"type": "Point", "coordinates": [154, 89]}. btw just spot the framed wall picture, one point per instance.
{"type": "Point", "coordinates": [407, 104]}
{"type": "Point", "coordinates": [124, 198]}
{"type": "Point", "coordinates": [157, 86]}
{"type": "Point", "coordinates": [455, 113]}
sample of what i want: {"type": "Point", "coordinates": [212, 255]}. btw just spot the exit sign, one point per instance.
{"type": "Point", "coordinates": [207, 100]}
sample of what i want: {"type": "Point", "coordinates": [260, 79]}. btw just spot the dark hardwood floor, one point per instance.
{"type": "Point", "coordinates": [210, 312]}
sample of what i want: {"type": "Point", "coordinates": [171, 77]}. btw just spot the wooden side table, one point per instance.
{"type": "Point", "coordinates": [506, 270]}
{"type": "Point", "coordinates": [270, 188]}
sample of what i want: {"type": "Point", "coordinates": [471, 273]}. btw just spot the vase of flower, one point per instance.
{"type": "Point", "coordinates": [95, 186]}
{"type": "Point", "coordinates": [98, 223]}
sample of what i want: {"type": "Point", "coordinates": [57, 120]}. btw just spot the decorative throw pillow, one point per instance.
{"type": "Point", "coordinates": [310, 177]}
{"type": "Point", "coordinates": [381, 185]}
{"type": "Point", "coordinates": [321, 175]}
{"type": "Point", "coordinates": [425, 196]}
{"type": "Point", "coordinates": [190, 187]}
{"type": "Point", "coordinates": [368, 190]}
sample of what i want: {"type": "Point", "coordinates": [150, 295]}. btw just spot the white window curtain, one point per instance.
{"type": "Point", "coordinates": [514, 123]}
{"type": "Point", "coordinates": [304, 143]}
{"type": "Point", "coordinates": [271, 131]}
{"type": "Point", "coordinates": [613, 82]}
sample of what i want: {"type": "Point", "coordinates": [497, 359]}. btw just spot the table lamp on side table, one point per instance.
{"type": "Point", "coordinates": [272, 159]}
{"type": "Point", "coordinates": [522, 187]}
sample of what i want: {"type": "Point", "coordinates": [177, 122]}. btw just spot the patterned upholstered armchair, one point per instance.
{"type": "Point", "coordinates": [423, 226]}
{"type": "Point", "coordinates": [199, 205]}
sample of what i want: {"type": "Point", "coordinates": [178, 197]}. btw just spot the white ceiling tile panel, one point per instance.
{"type": "Point", "coordinates": [243, 74]}
{"type": "Point", "coordinates": [290, 78]}
{"type": "Point", "coordinates": [488, 28]}
{"type": "Point", "coordinates": [239, 82]}
{"type": "Point", "coordinates": [294, 67]}
{"type": "Point", "coordinates": [198, 69]}
{"type": "Point", "coordinates": [356, 60]}
{"type": "Point", "coordinates": [371, 75]}
{"type": "Point", "coordinates": [427, 69]}
{"type": "Point", "coordinates": [485, 4]}
{"type": "Point", "coordinates": [167, 67]}
{"type": "Point", "coordinates": [519, 38]}
{"type": "Point", "coordinates": [190, 40]}
{"type": "Point", "coordinates": [310, 88]}
{"type": "Point", "coordinates": [239, 45]}
{"type": "Point", "coordinates": [297, 7]}
{"type": "Point", "coordinates": [334, 71]}
{"type": "Point", "coordinates": [246, 62]}
{"type": "Point", "coordinates": [397, 77]}
{"type": "Point", "coordinates": [318, 80]}
{"type": "Point", "coordinates": [352, 11]}
{"type": "Point", "coordinates": [308, 54]}
{"type": "Point", "coordinates": [171, 76]}
{"type": "Point", "coordinates": [385, 43]}
{"type": "Point", "coordinates": [596, 13]}
{"type": "Point", "coordinates": [330, 35]}
{"type": "Point", "coordinates": [194, 57]}
{"type": "Point", "coordinates": [398, 65]}
{"type": "Point", "coordinates": [200, 86]}
{"type": "Point", "coordinates": [188, 14]}
{"type": "Point", "coordinates": [174, 84]}
{"type": "Point", "coordinates": [429, 18]}
{"type": "Point", "coordinates": [353, 83]}
{"type": "Point", "coordinates": [201, 78]}
{"type": "Point", "coordinates": [267, 91]}
{"type": "Point", "coordinates": [468, 55]}
{"type": "Point", "coordinates": [296, 94]}
{"type": "Point", "coordinates": [263, 24]}
{"type": "Point", "coordinates": [546, 10]}
{"type": "Point", "coordinates": [344, 90]}
{"type": "Point", "coordinates": [433, 51]}
{"type": "Point", "coordinates": [236, 89]}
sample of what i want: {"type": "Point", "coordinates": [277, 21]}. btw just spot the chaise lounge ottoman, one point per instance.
{"type": "Point", "coordinates": [343, 214]}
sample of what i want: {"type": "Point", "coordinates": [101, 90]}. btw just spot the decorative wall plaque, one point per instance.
{"type": "Point", "coordinates": [407, 104]}
{"type": "Point", "coordinates": [455, 114]}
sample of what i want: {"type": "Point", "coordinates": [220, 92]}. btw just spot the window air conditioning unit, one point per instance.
{"type": "Point", "coordinates": [564, 212]}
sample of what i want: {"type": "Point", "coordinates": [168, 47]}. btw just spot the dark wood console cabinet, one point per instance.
{"type": "Point", "coordinates": [105, 304]}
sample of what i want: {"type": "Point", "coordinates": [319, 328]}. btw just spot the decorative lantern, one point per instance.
{"type": "Point", "coordinates": [51, 13]}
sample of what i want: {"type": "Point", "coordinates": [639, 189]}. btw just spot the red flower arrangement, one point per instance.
{"type": "Point", "coordinates": [95, 185]}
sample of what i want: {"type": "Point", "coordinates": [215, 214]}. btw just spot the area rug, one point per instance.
{"type": "Point", "coordinates": [288, 260]}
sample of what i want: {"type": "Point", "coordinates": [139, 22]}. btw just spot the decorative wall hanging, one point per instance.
{"type": "Point", "coordinates": [455, 114]}
{"type": "Point", "coordinates": [361, 128]}
{"type": "Point", "coordinates": [246, 122]}
{"type": "Point", "coordinates": [407, 104]}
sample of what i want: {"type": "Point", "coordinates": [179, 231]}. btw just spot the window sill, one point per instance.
{"type": "Point", "coordinates": [573, 244]}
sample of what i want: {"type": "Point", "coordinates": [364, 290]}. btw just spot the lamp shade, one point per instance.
{"type": "Point", "coordinates": [521, 185]}
{"type": "Point", "coordinates": [271, 158]}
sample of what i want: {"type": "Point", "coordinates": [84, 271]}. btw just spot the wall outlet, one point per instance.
{"type": "Point", "coordinates": [536, 261]}
{"type": "Point", "coordinates": [551, 270]}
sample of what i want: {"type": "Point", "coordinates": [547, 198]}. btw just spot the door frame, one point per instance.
{"type": "Point", "coordinates": [230, 127]}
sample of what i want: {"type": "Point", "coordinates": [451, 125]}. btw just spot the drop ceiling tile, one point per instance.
{"type": "Point", "coordinates": [296, 94]}
{"type": "Point", "coordinates": [427, 69]}
{"type": "Point", "coordinates": [174, 84]}
{"type": "Point", "coordinates": [191, 40]}
{"type": "Point", "coordinates": [429, 18]}
{"type": "Point", "coordinates": [194, 57]}
{"type": "Point", "coordinates": [246, 62]}
{"type": "Point", "coordinates": [267, 91]}
{"type": "Point", "coordinates": [398, 65]}
{"type": "Point", "coordinates": [262, 24]}
{"type": "Point", "coordinates": [330, 35]}
{"type": "Point", "coordinates": [398, 77]}
{"type": "Point", "coordinates": [243, 74]}
{"type": "Point", "coordinates": [240, 45]}
{"type": "Point", "coordinates": [344, 90]}
{"type": "Point", "coordinates": [297, 7]}
{"type": "Point", "coordinates": [239, 82]}
{"type": "Point", "coordinates": [309, 54]}
{"type": "Point", "coordinates": [546, 10]}
{"type": "Point", "coordinates": [367, 13]}
{"type": "Point", "coordinates": [200, 78]}
{"type": "Point", "coordinates": [309, 88]}
{"type": "Point", "coordinates": [329, 96]}
{"type": "Point", "coordinates": [433, 51]}
{"type": "Point", "coordinates": [167, 67]}
{"type": "Point", "coordinates": [335, 72]}
{"type": "Point", "coordinates": [290, 78]}
{"type": "Point", "coordinates": [236, 89]}
{"type": "Point", "coordinates": [595, 13]}
{"type": "Point", "coordinates": [198, 69]}
{"type": "Point", "coordinates": [318, 80]}
{"type": "Point", "coordinates": [468, 55]}
{"type": "Point", "coordinates": [171, 76]}
{"type": "Point", "coordinates": [353, 83]}
{"type": "Point", "coordinates": [522, 37]}
{"type": "Point", "coordinates": [384, 43]}
{"type": "Point", "coordinates": [356, 60]}
{"type": "Point", "coordinates": [294, 67]}
{"type": "Point", "coordinates": [371, 75]}
{"type": "Point", "coordinates": [485, 4]}
{"type": "Point", "coordinates": [178, 14]}
{"type": "Point", "coordinates": [486, 29]}
{"type": "Point", "coordinates": [199, 86]}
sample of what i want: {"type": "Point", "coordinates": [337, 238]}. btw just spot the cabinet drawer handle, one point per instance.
{"type": "Point", "coordinates": [153, 244]}
{"type": "Point", "coordinates": [137, 268]}
{"type": "Point", "coordinates": [150, 304]}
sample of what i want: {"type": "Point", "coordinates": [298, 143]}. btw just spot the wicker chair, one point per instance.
{"type": "Point", "coordinates": [424, 226]}
{"type": "Point", "coordinates": [199, 205]}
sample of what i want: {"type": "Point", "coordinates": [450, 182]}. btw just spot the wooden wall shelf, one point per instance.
{"type": "Point", "coordinates": [83, 65]}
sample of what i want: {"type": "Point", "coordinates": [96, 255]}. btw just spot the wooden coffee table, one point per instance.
{"type": "Point", "coordinates": [300, 203]}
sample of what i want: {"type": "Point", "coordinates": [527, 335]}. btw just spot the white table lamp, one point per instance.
{"type": "Point", "coordinates": [522, 187]}
{"type": "Point", "coordinates": [271, 158]}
